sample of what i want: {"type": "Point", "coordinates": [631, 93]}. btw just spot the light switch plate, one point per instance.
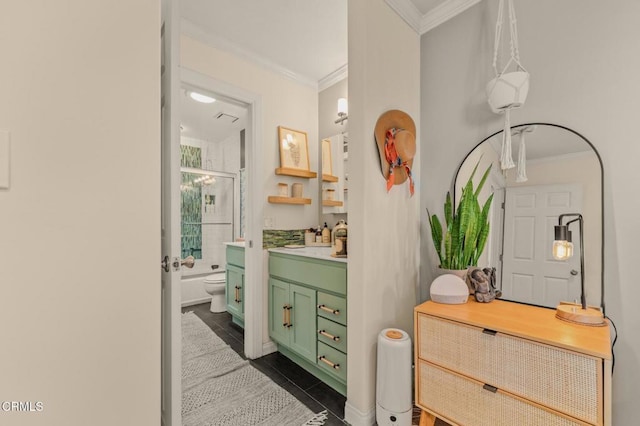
{"type": "Point", "coordinates": [5, 154]}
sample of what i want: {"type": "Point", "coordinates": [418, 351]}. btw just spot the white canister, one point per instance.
{"type": "Point", "coordinates": [283, 189]}
{"type": "Point", "coordinates": [296, 190]}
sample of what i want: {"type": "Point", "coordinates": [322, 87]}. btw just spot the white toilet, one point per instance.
{"type": "Point", "coordinates": [214, 284]}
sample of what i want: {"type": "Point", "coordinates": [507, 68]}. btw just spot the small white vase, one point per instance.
{"type": "Point", "coordinates": [508, 91]}
{"type": "Point", "coordinates": [461, 273]}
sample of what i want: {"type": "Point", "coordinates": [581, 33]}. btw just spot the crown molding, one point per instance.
{"type": "Point", "coordinates": [443, 13]}
{"type": "Point", "coordinates": [194, 31]}
{"type": "Point", "coordinates": [436, 16]}
{"type": "Point", "coordinates": [333, 78]}
{"type": "Point", "coordinates": [407, 11]}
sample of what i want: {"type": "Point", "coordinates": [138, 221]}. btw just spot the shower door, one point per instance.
{"type": "Point", "coordinates": [207, 217]}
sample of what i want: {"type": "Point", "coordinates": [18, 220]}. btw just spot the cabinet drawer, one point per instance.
{"type": "Point", "coordinates": [235, 256]}
{"type": "Point", "coordinates": [565, 381]}
{"type": "Point", "coordinates": [324, 275]}
{"type": "Point", "coordinates": [330, 328]}
{"type": "Point", "coordinates": [466, 402]}
{"type": "Point", "coordinates": [332, 361]}
{"type": "Point", "coordinates": [332, 307]}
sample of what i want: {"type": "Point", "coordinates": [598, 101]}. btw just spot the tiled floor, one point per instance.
{"type": "Point", "coordinates": [304, 386]}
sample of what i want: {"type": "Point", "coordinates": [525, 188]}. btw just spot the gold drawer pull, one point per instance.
{"type": "Point", "coordinates": [329, 363]}
{"type": "Point", "coordinates": [284, 316]}
{"type": "Point", "coordinates": [289, 307]}
{"type": "Point", "coordinates": [331, 311]}
{"type": "Point", "coordinates": [330, 336]}
{"type": "Point", "coordinates": [237, 299]}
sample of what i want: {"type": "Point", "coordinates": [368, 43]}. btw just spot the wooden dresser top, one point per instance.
{"type": "Point", "coordinates": [530, 322]}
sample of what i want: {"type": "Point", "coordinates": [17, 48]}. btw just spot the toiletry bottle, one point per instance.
{"type": "Point", "coordinates": [340, 237]}
{"type": "Point", "coordinates": [319, 234]}
{"type": "Point", "coordinates": [326, 234]}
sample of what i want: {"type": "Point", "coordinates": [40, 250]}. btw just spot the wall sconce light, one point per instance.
{"type": "Point", "coordinates": [563, 250]}
{"type": "Point", "coordinates": [343, 111]}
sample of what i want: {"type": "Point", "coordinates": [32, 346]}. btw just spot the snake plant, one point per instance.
{"type": "Point", "coordinates": [467, 227]}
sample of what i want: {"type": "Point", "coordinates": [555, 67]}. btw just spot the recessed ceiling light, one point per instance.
{"type": "Point", "coordinates": [199, 97]}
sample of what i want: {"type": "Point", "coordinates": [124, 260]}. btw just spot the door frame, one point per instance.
{"type": "Point", "coordinates": [254, 290]}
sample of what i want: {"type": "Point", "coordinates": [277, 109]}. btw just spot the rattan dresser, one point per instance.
{"type": "Point", "coordinates": [505, 363]}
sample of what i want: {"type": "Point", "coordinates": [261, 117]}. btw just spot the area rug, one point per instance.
{"type": "Point", "coordinates": [220, 388]}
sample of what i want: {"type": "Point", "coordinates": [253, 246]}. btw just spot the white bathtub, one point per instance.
{"type": "Point", "coordinates": [192, 290]}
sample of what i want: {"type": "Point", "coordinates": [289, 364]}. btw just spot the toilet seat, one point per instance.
{"type": "Point", "coordinates": [216, 278]}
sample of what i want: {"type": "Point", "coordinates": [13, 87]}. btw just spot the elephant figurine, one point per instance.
{"type": "Point", "coordinates": [484, 283]}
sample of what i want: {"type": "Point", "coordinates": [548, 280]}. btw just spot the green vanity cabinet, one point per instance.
{"type": "Point", "coordinates": [292, 319]}
{"type": "Point", "coordinates": [235, 284]}
{"type": "Point", "coordinates": [308, 314]}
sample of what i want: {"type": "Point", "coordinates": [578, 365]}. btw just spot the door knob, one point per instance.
{"type": "Point", "coordinates": [189, 261]}
{"type": "Point", "coordinates": [574, 272]}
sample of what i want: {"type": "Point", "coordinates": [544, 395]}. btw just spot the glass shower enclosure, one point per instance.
{"type": "Point", "coordinates": [207, 217]}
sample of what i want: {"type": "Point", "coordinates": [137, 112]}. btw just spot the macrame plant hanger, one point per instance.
{"type": "Point", "coordinates": [508, 90]}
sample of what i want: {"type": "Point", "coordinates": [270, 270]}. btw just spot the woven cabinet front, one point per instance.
{"type": "Point", "coordinates": [562, 380]}
{"type": "Point", "coordinates": [468, 404]}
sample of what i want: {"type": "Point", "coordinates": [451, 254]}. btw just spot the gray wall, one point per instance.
{"type": "Point", "coordinates": [383, 243]}
{"type": "Point", "coordinates": [584, 61]}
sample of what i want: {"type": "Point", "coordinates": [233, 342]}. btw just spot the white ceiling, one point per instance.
{"type": "Point", "coordinates": [303, 39]}
{"type": "Point", "coordinates": [308, 38]}
{"type": "Point", "coordinates": [199, 121]}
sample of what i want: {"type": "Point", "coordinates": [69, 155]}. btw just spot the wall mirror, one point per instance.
{"type": "Point", "coordinates": [564, 175]}
{"type": "Point", "coordinates": [333, 160]}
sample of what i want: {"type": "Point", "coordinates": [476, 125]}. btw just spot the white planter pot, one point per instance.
{"type": "Point", "coordinates": [462, 273]}
{"type": "Point", "coordinates": [508, 91]}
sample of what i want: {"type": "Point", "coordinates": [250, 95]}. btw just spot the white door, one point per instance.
{"type": "Point", "coordinates": [495, 240]}
{"type": "Point", "coordinates": [171, 331]}
{"type": "Point", "coordinates": [530, 273]}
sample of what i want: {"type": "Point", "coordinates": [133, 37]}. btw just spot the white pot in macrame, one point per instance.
{"type": "Point", "coordinates": [509, 89]}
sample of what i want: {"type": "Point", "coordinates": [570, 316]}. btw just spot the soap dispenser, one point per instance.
{"type": "Point", "coordinates": [340, 239]}
{"type": "Point", "coordinates": [326, 234]}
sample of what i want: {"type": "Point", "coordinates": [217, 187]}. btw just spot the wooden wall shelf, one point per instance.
{"type": "Point", "coordinates": [329, 178]}
{"type": "Point", "coordinates": [296, 172]}
{"type": "Point", "coordinates": [288, 200]}
{"type": "Point", "coordinates": [332, 203]}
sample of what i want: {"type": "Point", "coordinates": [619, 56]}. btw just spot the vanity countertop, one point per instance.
{"type": "Point", "coordinates": [323, 253]}
{"type": "Point", "coordinates": [235, 244]}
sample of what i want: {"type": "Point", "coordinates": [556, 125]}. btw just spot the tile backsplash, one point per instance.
{"type": "Point", "coordinates": [277, 238]}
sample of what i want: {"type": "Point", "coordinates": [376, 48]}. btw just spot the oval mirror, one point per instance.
{"type": "Point", "coordinates": [563, 175]}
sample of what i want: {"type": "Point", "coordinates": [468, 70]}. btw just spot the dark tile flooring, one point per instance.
{"type": "Point", "coordinates": [305, 387]}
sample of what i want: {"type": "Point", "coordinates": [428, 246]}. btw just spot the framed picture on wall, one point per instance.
{"type": "Point", "coordinates": [294, 150]}
{"type": "Point", "coordinates": [327, 167]}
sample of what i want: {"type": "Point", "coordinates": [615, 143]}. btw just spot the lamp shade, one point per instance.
{"type": "Point", "coordinates": [562, 246]}
{"type": "Point", "coordinates": [343, 106]}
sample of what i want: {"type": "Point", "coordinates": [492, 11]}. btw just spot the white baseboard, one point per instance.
{"type": "Point", "coordinates": [269, 348]}
{"type": "Point", "coordinates": [196, 301]}
{"type": "Point", "coordinates": [355, 417]}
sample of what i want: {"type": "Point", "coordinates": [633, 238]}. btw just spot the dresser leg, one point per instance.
{"type": "Point", "coordinates": [427, 419]}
